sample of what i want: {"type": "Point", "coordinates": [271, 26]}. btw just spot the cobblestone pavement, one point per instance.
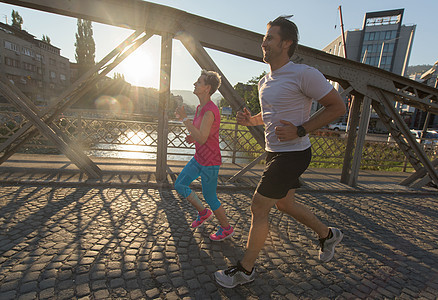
{"type": "Point", "coordinates": [129, 243]}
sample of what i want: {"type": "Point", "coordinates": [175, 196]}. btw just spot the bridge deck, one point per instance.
{"type": "Point", "coordinates": [59, 170]}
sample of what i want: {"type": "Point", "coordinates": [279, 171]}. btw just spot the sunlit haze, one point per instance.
{"type": "Point", "coordinates": [318, 22]}
{"type": "Point", "coordinates": [141, 66]}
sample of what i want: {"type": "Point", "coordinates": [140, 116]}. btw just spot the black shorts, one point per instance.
{"type": "Point", "coordinates": [282, 172]}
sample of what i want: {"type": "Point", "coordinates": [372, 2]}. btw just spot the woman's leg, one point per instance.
{"type": "Point", "coordinates": [209, 176]}
{"type": "Point", "coordinates": [190, 172]}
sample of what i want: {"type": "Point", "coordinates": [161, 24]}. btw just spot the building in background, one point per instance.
{"type": "Point", "coordinates": [419, 117]}
{"type": "Point", "coordinates": [383, 42]}
{"type": "Point", "coordinates": [34, 66]}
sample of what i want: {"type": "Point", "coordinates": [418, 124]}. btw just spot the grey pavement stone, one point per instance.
{"type": "Point", "coordinates": [152, 293]}
{"type": "Point", "coordinates": [27, 296]}
{"type": "Point", "coordinates": [114, 273]}
{"type": "Point", "coordinates": [28, 287]}
{"type": "Point", "coordinates": [136, 294]}
{"type": "Point", "coordinates": [101, 294]}
{"type": "Point", "coordinates": [162, 279]}
{"type": "Point", "coordinates": [117, 282]}
{"type": "Point", "coordinates": [82, 290]}
{"type": "Point", "coordinates": [8, 295]}
{"type": "Point", "coordinates": [47, 293]}
{"type": "Point", "coordinates": [98, 285]}
{"type": "Point", "coordinates": [9, 285]}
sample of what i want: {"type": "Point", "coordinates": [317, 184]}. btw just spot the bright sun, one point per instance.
{"type": "Point", "coordinates": [140, 68]}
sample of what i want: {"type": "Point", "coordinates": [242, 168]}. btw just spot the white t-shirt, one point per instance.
{"type": "Point", "coordinates": [287, 94]}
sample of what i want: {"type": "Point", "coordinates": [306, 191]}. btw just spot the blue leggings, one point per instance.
{"type": "Point", "coordinates": [208, 175]}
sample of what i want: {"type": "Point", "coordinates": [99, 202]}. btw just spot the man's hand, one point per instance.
{"type": "Point", "coordinates": [287, 132]}
{"type": "Point", "coordinates": [243, 118]}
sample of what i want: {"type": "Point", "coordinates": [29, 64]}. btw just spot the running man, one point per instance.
{"type": "Point", "coordinates": [286, 94]}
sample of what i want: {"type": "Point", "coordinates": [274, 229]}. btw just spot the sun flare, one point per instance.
{"type": "Point", "coordinates": [140, 68]}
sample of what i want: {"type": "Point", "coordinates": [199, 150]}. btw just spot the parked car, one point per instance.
{"type": "Point", "coordinates": [430, 137]}
{"type": "Point", "coordinates": [417, 134]}
{"type": "Point", "coordinates": [338, 126]}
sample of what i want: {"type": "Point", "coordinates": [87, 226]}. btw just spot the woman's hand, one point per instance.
{"type": "Point", "coordinates": [189, 139]}
{"type": "Point", "coordinates": [180, 113]}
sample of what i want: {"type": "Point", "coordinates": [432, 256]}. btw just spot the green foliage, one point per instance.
{"type": "Point", "coordinates": [250, 94]}
{"type": "Point", "coordinates": [119, 76]}
{"type": "Point", "coordinates": [46, 39]}
{"type": "Point", "coordinates": [328, 150]}
{"type": "Point", "coordinates": [418, 69]}
{"type": "Point", "coordinates": [85, 46]}
{"type": "Point", "coordinates": [17, 20]}
{"type": "Point", "coordinates": [244, 138]}
{"type": "Point", "coordinates": [223, 102]}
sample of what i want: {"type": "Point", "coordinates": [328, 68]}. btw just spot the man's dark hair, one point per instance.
{"type": "Point", "coordinates": [288, 32]}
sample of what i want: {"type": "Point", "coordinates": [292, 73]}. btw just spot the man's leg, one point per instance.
{"type": "Point", "coordinates": [302, 214]}
{"type": "Point", "coordinates": [328, 237]}
{"type": "Point", "coordinates": [244, 271]}
{"type": "Point", "coordinates": [260, 209]}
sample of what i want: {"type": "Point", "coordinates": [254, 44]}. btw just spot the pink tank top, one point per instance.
{"type": "Point", "coordinates": [208, 154]}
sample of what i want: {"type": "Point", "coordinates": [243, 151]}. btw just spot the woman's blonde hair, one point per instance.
{"type": "Point", "coordinates": [212, 79]}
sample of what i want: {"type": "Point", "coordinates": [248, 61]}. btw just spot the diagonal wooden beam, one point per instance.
{"type": "Point", "coordinates": [420, 173]}
{"type": "Point", "coordinates": [21, 102]}
{"type": "Point", "coordinates": [423, 181]}
{"type": "Point", "coordinates": [383, 98]}
{"type": "Point", "coordinates": [247, 168]}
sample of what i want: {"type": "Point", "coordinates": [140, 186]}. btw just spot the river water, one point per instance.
{"type": "Point", "coordinates": [140, 145]}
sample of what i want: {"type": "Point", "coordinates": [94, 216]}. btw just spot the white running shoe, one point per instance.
{"type": "Point", "coordinates": [327, 246]}
{"type": "Point", "coordinates": [234, 276]}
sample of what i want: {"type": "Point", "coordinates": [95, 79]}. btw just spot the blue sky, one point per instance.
{"type": "Point", "coordinates": [316, 21]}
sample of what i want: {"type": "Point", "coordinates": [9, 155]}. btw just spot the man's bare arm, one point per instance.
{"type": "Point", "coordinates": [334, 107]}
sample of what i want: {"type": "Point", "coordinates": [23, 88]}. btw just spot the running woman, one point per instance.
{"type": "Point", "coordinates": [204, 132]}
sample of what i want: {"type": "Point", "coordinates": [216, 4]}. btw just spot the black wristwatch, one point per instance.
{"type": "Point", "coordinates": [301, 131]}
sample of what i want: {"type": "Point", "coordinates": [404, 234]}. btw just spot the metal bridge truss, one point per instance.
{"type": "Point", "coordinates": [371, 88]}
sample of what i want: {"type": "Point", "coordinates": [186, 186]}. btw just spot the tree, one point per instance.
{"type": "Point", "coordinates": [46, 39]}
{"type": "Point", "coordinates": [85, 46]}
{"type": "Point", "coordinates": [118, 76]}
{"type": "Point", "coordinates": [223, 102]}
{"type": "Point", "coordinates": [250, 94]}
{"type": "Point", "coordinates": [17, 20]}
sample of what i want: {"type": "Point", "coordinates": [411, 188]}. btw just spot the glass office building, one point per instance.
{"type": "Point", "coordinates": [383, 41]}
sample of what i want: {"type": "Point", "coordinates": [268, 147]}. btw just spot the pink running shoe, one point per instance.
{"type": "Point", "coordinates": [201, 219]}
{"type": "Point", "coordinates": [222, 234]}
